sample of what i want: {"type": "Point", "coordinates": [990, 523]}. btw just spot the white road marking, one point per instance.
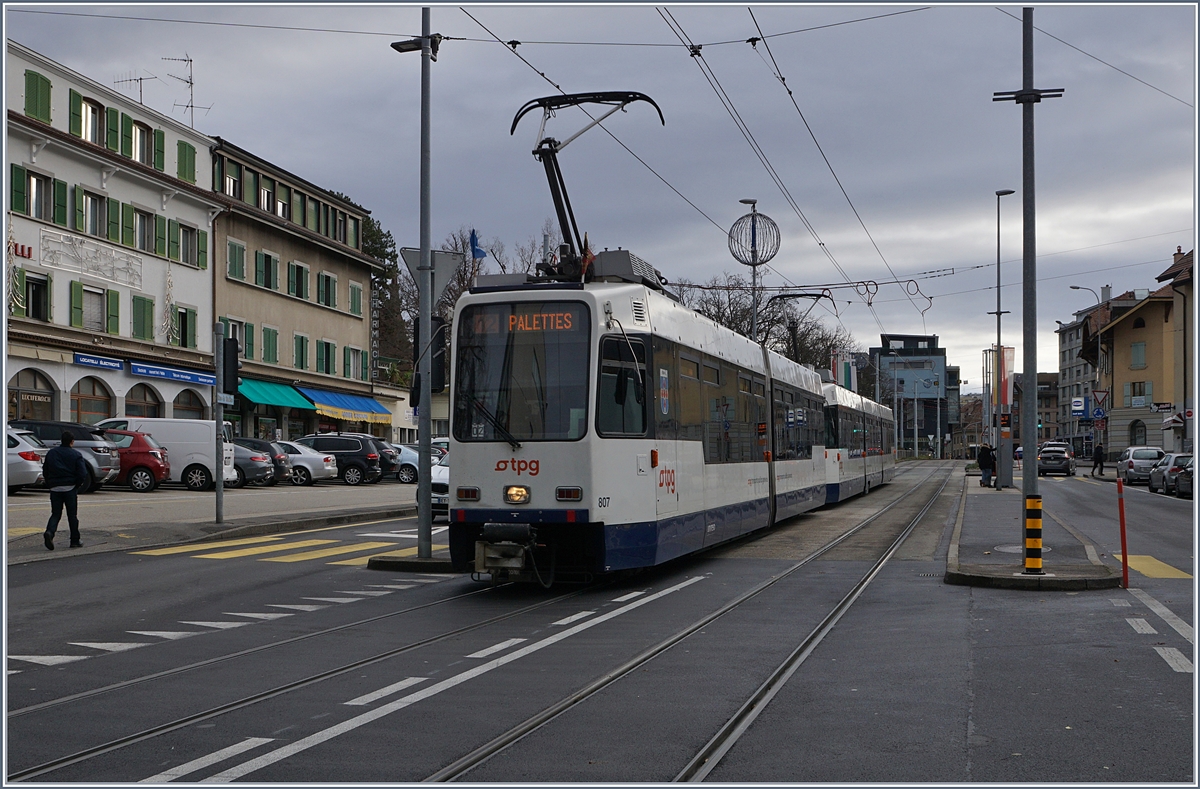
{"type": "Point", "coordinates": [393, 586]}
{"type": "Point", "coordinates": [626, 597]}
{"type": "Point", "coordinates": [256, 616]}
{"type": "Point", "coordinates": [206, 761]}
{"type": "Point", "coordinates": [49, 660]}
{"type": "Point", "coordinates": [1181, 627]}
{"type": "Point", "coordinates": [217, 625]}
{"type": "Point", "coordinates": [1175, 659]}
{"type": "Point", "coordinates": [298, 607]}
{"type": "Point", "coordinates": [574, 618]}
{"type": "Point", "coordinates": [111, 646]}
{"type": "Point", "coordinates": [279, 754]}
{"type": "Point", "coordinates": [333, 599]}
{"type": "Point", "coordinates": [170, 635]}
{"type": "Point", "coordinates": [389, 690]}
{"type": "Point", "coordinates": [370, 594]}
{"type": "Point", "coordinates": [1142, 626]}
{"type": "Point", "coordinates": [12, 671]}
{"type": "Point", "coordinates": [1121, 603]}
{"type": "Point", "coordinates": [503, 645]}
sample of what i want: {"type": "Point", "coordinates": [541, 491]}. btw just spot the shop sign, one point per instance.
{"type": "Point", "coordinates": [171, 374]}
{"type": "Point", "coordinates": [103, 362]}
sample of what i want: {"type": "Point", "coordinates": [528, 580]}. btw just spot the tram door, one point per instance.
{"type": "Point", "coordinates": [666, 410]}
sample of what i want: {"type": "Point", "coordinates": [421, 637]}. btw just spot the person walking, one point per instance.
{"type": "Point", "coordinates": [64, 470]}
{"type": "Point", "coordinates": [987, 462]}
{"type": "Point", "coordinates": [1098, 459]}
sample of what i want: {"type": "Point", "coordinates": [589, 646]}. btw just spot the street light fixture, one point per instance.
{"type": "Point", "coordinates": [994, 407]}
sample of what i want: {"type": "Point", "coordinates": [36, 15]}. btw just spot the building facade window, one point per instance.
{"type": "Point", "coordinates": [143, 318]}
{"type": "Point", "coordinates": [92, 122]}
{"type": "Point", "coordinates": [356, 294]}
{"type": "Point", "coordinates": [143, 231]}
{"type": "Point", "coordinates": [235, 260]}
{"type": "Point", "coordinates": [143, 144]}
{"type": "Point", "coordinates": [142, 401]}
{"type": "Point", "coordinates": [326, 351]}
{"type": "Point", "coordinates": [40, 203]}
{"type": "Point", "coordinates": [37, 295]}
{"type": "Point", "coordinates": [186, 162]}
{"type": "Point", "coordinates": [327, 289]}
{"type": "Point", "coordinates": [266, 270]}
{"type": "Point", "coordinates": [1137, 433]}
{"type": "Point", "coordinates": [270, 345]}
{"type": "Point", "coordinates": [298, 280]}
{"type": "Point", "coordinates": [187, 245]}
{"type": "Point", "coordinates": [1137, 356]}
{"type": "Point", "coordinates": [185, 324]}
{"type": "Point", "coordinates": [37, 96]}
{"type": "Point", "coordinates": [31, 396]}
{"type": "Point", "coordinates": [300, 352]}
{"type": "Point", "coordinates": [187, 405]}
{"type": "Point", "coordinates": [95, 220]}
{"type": "Point", "coordinates": [90, 401]}
{"type": "Point", "coordinates": [233, 179]}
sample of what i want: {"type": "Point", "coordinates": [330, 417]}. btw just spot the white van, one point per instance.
{"type": "Point", "coordinates": [191, 446]}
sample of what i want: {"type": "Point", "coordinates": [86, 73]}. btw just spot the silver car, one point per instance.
{"type": "Point", "coordinates": [26, 452]}
{"type": "Point", "coordinates": [1162, 476]}
{"type": "Point", "coordinates": [99, 454]}
{"type": "Point", "coordinates": [309, 465]}
{"type": "Point", "coordinates": [1055, 460]}
{"type": "Point", "coordinates": [1135, 463]}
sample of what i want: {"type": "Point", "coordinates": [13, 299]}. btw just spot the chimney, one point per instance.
{"type": "Point", "coordinates": [1178, 254]}
{"type": "Point", "coordinates": [1105, 293]}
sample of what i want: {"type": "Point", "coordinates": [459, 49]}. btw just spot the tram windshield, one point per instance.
{"type": "Point", "coordinates": [522, 371]}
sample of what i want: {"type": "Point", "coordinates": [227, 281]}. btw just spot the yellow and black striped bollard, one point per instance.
{"type": "Point", "coordinates": [1033, 535]}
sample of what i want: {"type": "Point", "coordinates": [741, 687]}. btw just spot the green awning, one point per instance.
{"type": "Point", "coordinates": [267, 393]}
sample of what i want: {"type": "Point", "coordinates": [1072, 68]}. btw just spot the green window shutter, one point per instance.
{"type": "Point", "coordinates": [355, 300]}
{"type": "Point", "coordinates": [37, 96]}
{"type": "Point", "coordinates": [114, 220]}
{"type": "Point", "coordinates": [320, 288]}
{"type": "Point", "coordinates": [273, 271]}
{"type": "Point", "coordinates": [321, 356]}
{"type": "Point", "coordinates": [185, 162]}
{"type": "Point", "coordinates": [346, 366]}
{"type": "Point", "coordinates": [160, 146]}
{"type": "Point", "coordinates": [292, 279]}
{"type": "Point", "coordinates": [1128, 396]}
{"type": "Point", "coordinates": [76, 105]}
{"type": "Point", "coordinates": [191, 328]}
{"type": "Point", "coordinates": [143, 318]}
{"type": "Point", "coordinates": [248, 336]}
{"type": "Point", "coordinates": [366, 365]}
{"type": "Point", "coordinates": [112, 323]}
{"type": "Point", "coordinates": [79, 208]}
{"type": "Point", "coordinates": [202, 248]}
{"type": "Point", "coordinates": [160, 235]}
{"type": "Point", "coordinates": [127, 235]}
{"type": "Point", "coordinates": [44, 98]}
{"type": "Point", "coordinates": [60, 202]}
{"type": "Point", "coordinates": [112, 128]}
{"type": "Point", "coordinates": [297, 208]}
{"type": "Point", "coordinates": [18, 310]}
{"type": "Point", "coordinates": [331, 291]}
{"type": "Point", "coordinates": [172, 239]}
{"type": "Point", "coordinates": [304, 284]}
{"type": "Point", "coordinates": [352, 233]}
{"type": "Point", "coordinates": [250, 188]}
{"type": "Point", "coordinates": [138, 310]}
{"type": "Point", "coordinates": [1149, 392]}
{"type": "Point", "coordinates": [260, 266]}
{"type": "Point", "coordinates": [218, 183]}
{"type": "Point", "coordinates": [297, 353]}
{"type": "Point", "coordinates": [77, 304]}
{"type": "Point", "coordinates": [19, 198]}
{"type": "Point", "coordinates": [126, 135]}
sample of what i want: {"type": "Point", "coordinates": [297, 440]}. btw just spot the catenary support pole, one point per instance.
{"type": "Point", "coordinates": [1029, 475]}
{"type": "Point", "coordinates": [1033, 535]}
{"type": "Point", "coordinates": [425, 286]}
{"type": "Point", "coordinates": [218, 411]}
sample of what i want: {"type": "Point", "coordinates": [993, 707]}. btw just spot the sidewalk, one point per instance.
{"type": "Point", "coordinates": [987, 547]}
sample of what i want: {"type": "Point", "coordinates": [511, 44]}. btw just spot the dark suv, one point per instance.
{"type": "Point", "coordinates": [279, 457]}
{"type": "Point", "coordinates": [356, 455]}
{"type": "Point", "coordinates": [101, 455]}
{"type": "Point", "coordinates": [389, 456]}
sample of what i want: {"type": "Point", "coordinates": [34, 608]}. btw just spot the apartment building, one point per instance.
{"type": "Point", "coordinates": [110, 228]}
{"type": "Point", "coordinates": [1143, 372]}
{"type": "Point", "coordinates": [293, 286]}
{"type": "Point", "coordinates": [1179, 422]}
{"type": "Point", "coordinates": [1047, 406]}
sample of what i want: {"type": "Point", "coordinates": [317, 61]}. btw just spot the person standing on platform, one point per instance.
{"type": "Point", "coordinates": [65, 471]}
{"type": "Point", "coordinates": [987, 463]}
{"type": "Point", "coordinates": [1098, 459]}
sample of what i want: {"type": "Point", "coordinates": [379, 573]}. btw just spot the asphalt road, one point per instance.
{"type": "Point", "coordinates": [388, 677]}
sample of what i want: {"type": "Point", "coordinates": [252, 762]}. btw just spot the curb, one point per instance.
{"type": "Point", "coordinates": [411, 564]}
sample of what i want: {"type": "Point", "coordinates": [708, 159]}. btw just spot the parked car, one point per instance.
{"type": "Point", "coordinates": [144, 462]}
{"type": "Point", "coordinates": [1055, 460]}
{"type": "Point", "coordinates": [192, 444]}
{"type": "Point", "coordinates": [1063, 445]}
{"type": "Point", "coordinates": [250, 465]}
{"type": "Point", "coordinates": [409, 462]}
{"type": "Point", "coordinates": [100, 454]}
{"type": "Point", "coordinates": [439, 484]}
{"type": "Point", "coordinates": [357, 458]}
{"type": "Point", "coordinates": [278, 455]}
{"type": "Point", "coordinates": [309, 465]}
{"type": "Point", "coordinates": [1162, 476]}
{"type": "Point", "coordinates": [1183, 480]}
{"type": "Point", "coordinates": [389, 458]}
{"type": "Point", "coordinates": [441, 444]}
{"type": "Point", "coordinates": [1134, 463]}
{"type": "Point", "coordinates": [25, 455]}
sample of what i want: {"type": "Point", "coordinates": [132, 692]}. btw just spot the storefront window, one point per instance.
{"type": "Point", "coordinates": [142, 401]}
{"type": "Point", "coordinates": [31, 396]}
{"type": "Point", "coordinates": [90, 401]}
{"type": "Point", "coordinates": [188, 405]}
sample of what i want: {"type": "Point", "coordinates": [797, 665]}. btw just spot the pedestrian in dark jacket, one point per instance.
{"type": "Point", "coordinates": [64, 470]}
{"type": "Point", "coordinates": [987, 462]}
{"type": "Point", "coordinates": [1098, 459]}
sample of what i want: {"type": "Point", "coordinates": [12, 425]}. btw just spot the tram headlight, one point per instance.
{"type": "Point", "coordinates": [516, 494]}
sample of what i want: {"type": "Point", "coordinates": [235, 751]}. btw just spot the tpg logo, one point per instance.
{"type": "Point", "coordinates": [519, 466]}
{"type": "Point", "coordinates": [666, 479]}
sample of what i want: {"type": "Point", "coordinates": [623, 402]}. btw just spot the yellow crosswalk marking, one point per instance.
{"type": "Point", "coordinates": [361, 561]}
{"type": "Point", "coordinates": [1153, 568]}
{"type": "Point", "coordinates": [21, 531]}
{"type": "Point", "coordinates": [334, 551]}
{"type": "Point", "coordinates": [287, 546]}
{"type": "Point", "coordinates": [208, 546]}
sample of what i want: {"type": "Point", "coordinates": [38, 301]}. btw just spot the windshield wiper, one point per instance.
{"type": "Point", "coordinates": [495, 423]}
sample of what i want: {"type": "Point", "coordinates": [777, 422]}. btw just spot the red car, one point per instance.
{"type": "Point", "coordinates": [144, 461]}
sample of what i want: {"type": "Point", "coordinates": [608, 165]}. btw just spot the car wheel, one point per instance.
{"type": "Point", "coordinates": [300, 476]}
{"type": "Point", "coordinates": [239, 478]}
{"type": "Point", "coordinates": [353, 475]}
{"type": "Point", "coordinates": [1150, 486]}
{"type": "Point", "coordinates": [407, 474]}
{"type": "Point", "coordinates": [13, 489]}
{"type": "Point", "coordinates": [197, 478]}
{"type": "Point", "coordinates": [141, 480]}
{"type": "Point", "coordinates": [266, 483]}
{"type": "Point", "coordinates": [90, 486]}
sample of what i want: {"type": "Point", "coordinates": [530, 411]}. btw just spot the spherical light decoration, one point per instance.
{"type": "Point", "coordinates": [754, 239]}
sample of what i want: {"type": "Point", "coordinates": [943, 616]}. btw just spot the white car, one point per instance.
{"type": "Point", "coordinates": [25, 455]}
{"type": "Point", "coordinates": [439, 483]}
{"type": "Point", "coordinates": [309, 465]}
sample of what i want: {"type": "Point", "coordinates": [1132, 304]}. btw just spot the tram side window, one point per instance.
{"type": "Point", "coordinates": [691, 402]}
{"type": "Point", "coordinates": [792, 433]}
{"type": "Point", "coordinates": [664, 389]}
{"type": "Point", "coordinates": [621, 401]}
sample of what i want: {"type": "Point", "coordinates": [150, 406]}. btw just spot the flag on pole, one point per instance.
{"type": "Point", "coordinates": [476, 252]}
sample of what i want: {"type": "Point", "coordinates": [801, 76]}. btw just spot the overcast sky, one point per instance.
{"type": "Point", "coordinates": [900, 105]}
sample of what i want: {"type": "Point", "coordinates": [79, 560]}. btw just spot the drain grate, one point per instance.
{"type": "Point", "coordinates": [929, 575]}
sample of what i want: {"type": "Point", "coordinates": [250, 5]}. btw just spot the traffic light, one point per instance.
{"type": "Point", "coordinates": [230, 366]}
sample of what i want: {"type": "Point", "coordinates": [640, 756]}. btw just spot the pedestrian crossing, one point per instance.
{"type": "Point", "coordinates": [354, 552]}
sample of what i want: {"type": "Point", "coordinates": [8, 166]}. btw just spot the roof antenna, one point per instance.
{"type": "Point", "coordinates": [138, 80]}
{"type": "Point", "coordinates": [191, 83]}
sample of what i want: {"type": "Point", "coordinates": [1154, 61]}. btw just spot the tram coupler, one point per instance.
{"type": "Point", "coordinates": [502, 547]}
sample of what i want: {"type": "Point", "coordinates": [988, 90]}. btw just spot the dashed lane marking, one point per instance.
{"type": "Point", "coordinates": [264, 549]}
{"type": "Point", "coordinates": [49, 660]}
{"type": "Point", "coordinates": [208, 546]}
{"type": "Point", "coordinates": [110, 646]}
{"type": "Point", "coordinates": [218, 625]}
{"type": "Point", "coordinates": [362, 701]}
{"type": "Point", "coordinates": [393, 586]}
{"type": "Point", "coordinates": [168, 635]}
{"type": "Point", "coordinates": [574, 618]}
{"type": "Point", "coordinates": [297, 607]}
{"type": "Point", "coordinates": [257, 616]}
{"type": "Point", "coordinates": [625, 597]}
{"type": "Point", "coordinates": [1142, 626]}
{"type": "Point", "coordinates": [1153, 568]}
{"type": "Point", "coordinates": [494, 648]}
{"type": "Point", "coordinates": [206, 761]}
{"type": "Point", "coordinates": [366, 592]}
{"type": "Point", "coordinates": [1175, 659]}
{"type": "Point", "coordinates": [333, 599]}
{"type": "Point", "coordinates": [1181, 627]}
{"type": "Point", "coordinates": [1120, 603]}
{"type": "Point", "coordinates": [324, 552]}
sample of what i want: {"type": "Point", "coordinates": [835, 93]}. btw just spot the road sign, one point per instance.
{"type": "Point", "coordinates": [1098, 413]}
{"type": "Point", "coordinates": [444, 266]}
{"type": "Point", "coordinates": [1101, 396]}
{"type": "Point", "coordinates": [1101, 424]}
{"type": "Point", "coordinates": [224, 399]}
{"type": "Point", "coordinates": [1078, 406]}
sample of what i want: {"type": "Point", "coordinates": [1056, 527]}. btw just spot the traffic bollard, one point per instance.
{"type": "Point", "coordinates": [1124, 549]}
{"type": "Point", "coordinates": [1033, 535]}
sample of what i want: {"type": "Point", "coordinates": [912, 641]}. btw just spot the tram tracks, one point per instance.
{"type": "Point", "coordinates": [707, 759]}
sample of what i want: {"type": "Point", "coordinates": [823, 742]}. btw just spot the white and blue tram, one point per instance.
{"type": "Point", "coordinates": [600, 426]}
{"type": "Point", "coordinates": [860, 441]}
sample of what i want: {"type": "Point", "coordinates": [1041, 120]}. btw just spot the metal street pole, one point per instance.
{"type": "Point", "coordinates": [915, 443]}
{"type": "Point", "coordinates": [425, 421]}
{"type": "Point", "coordinates": [895, 407]}
{"type": "Point", "coordinates": [937, 390]}
{"type": "Point", "coordinates": [999, 193]}
{"type": "Point", "coordinates": [219, 418]}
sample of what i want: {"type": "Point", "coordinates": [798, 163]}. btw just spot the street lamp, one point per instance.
{"type": "Point", "coordinates": [996, 361]}
{"type": "Point", "coordinates": [895, 401]}
{"type": "Point", "coordinates": [1095, 433]}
